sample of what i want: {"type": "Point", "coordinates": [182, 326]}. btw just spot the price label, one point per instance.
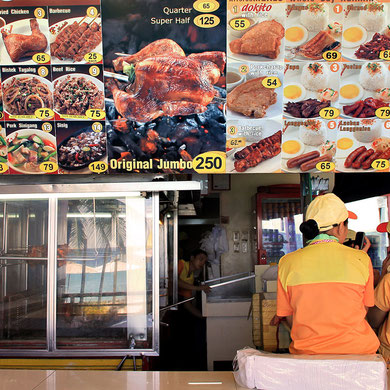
{"type": "Point", "coordinates": [206, 6]}
{"type": "Point", "coordinates": [235, 142]}
{"type": "Point", "coordinates": [98, 167]}
{"type": "Point", "coordinates": [41, 58]}
{"type": "Point", "coordinates": [93, 57]}
{"type": "Point", "coordinates": [331, 55]}
{"type": "Point", "coordinates": [240, 24]}
{"type": "Point", "coordinates": [97, 127]}
{"type": "Point", "coordinates": [3, 167]}
{"type": "Point", "coordinates": [210, 162]}
{"type": "Point", "coordinates": [47, 127]}
{"type": "Point", "coordinates": [329, 113]}
{"type": "Point", "coordinates": [325, 166]}
{"type": "Point", "coordinates": [271, 82]}
{"type": "Point", "coordinates": [95, 113]}
{"type": "Point", "coordinates": [384, 55]}
{"type": "Point", "coordinates": [206, 21]}
{"type": "Point", "coordinates": [39, 13]}
{"type": "Point", "coordinates": [48, 167]}
{"type": "Point", "coordinates": [380, 164]}
{"type": "Point", "coordinates": [383, 112]}
{"type": "Point", "coordinates": [44, 113]}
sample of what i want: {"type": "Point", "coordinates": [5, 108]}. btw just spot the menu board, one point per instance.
{"type": "Point", "coordinates": [206, 86]}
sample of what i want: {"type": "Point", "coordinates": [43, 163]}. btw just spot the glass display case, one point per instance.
{"type": "Point", "coordinates": [278, 215]}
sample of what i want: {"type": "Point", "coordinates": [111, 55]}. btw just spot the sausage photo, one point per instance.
{"type": "Point", "coordinates": [312, 163]}
{"type": "Point", "coordinates": [353, 156]}
{"type": "Point", "coordinates": [367, 163]}
{"type": "Point", "coordinates": [361, 158]}
{"type": "Point", "coordinates": [297, 161]}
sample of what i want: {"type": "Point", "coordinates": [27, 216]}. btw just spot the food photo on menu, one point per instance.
{"type": "Point", "coordinates": [364, 87]}
{"type": "Point", "coordinates": [263, 37]}
{"type": "Point", "coordinates": [360, 143]}
{"type": "Point", "coordinates": [247, 93]}
{"type": "Point", "coordinates": [76, 91]}
{"type": "Point", "coordinates": [259, 146]}
{"type": "Point", "coordinates": [366, 32]}
{"type": "Point", "coordinates": [305, 143]}
{"type": "Point", "coordinates": [29, 145]}
{"type": "Point", "coordinates": [76, 39]}
{"type": "Point", "coordinates": [24, 33]}
{"type": "Point", "coordinates": [3, 146]}
{"type": "Point", "coordinates": [165, 87]}
{"type": "Point", "coordinates": [311, 30]}
{"type": "Point", "coordinates": [79, 144]}
{"type": "Point", "coordinates": [310, 87]}
{"type": "Point", "coordinates": [25, 90]}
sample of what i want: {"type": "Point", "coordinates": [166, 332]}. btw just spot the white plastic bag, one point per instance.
{"type": "Point", "coordinates": [266, 371]}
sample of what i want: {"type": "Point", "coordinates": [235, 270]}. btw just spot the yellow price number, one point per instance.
{"type": "Point", "coordinates": [329, 113]}
{"type": "Point", "coordinates": [95, 114]}
{"type": "Point", "coordinates": [206, 21]}
{"type": "Point", "coordinates": [39, 13]}
{"type": "Point", "coordinates": [44, 113]}
{"type": "Point", "coordinates": [98, 167]}
{"type": "Point", "coordinates": [271, 82]}
{"type": "Point", "coordinates": [240, 24]}
{"type": "Point", "coordinates": [48, 167]}
{"type": "Point", "coordinates": [384, 55]}
{"type": "Point", "coordinates": [383, 112]}
{"type": "Point", "coordinates": [92, 12]}
{"type": "Point", "coordinates": [206, 6]}
{"type": "Point", "coordinates": [41, 58]}
{"type": "Point", "coordinates": [235, 142]}
{"type": "Point", "coordinates": [43, 71]}
{"type": "Point", "coordinates": [210, 162]}
{"type": "Point", "coordinates": [93, 57]}
{"type": "Point", "coordinates": [380, 164]}
{"type": "Point", "coordinates": [3, 167]}
{"type": "Point", "coordinates": [325, 166]}
{"type": "Point", "coordinates": [331, 55]}
{"type": "Point", "coordinates": [47, 127]}
{"type": "Point", "coordinates": [94, 71]}
{"type": "Point", "coordinates": [97, 127]}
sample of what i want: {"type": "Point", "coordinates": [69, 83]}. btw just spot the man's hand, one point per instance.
{"type": "Point", "coordinates": [276, 320]}
{"type": "Point", "coordinates": [205, 288]}
{"type": "Point", "coordinates": [366, 246]}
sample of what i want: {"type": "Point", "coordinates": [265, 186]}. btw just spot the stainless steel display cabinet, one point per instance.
{"type": "Point", "coordinates": [79, 268]}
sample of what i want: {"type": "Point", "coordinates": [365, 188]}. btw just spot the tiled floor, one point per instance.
{"type": "Point", "coordinates": [112, 380]}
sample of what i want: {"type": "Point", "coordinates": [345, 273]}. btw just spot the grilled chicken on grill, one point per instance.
{"type": "Point", "coordinates": [218, 57]}
{"type": "Point", "coordinates": [164, 47]}
{"type": "Point", "coordinates": [263, 39]}
{"type": "Point", "coordinates": [167, 85]}
{"type": "Point", "coordinates": [20, 45]}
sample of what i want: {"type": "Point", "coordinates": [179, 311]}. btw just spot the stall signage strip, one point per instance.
{"type": "Point", "coordinates": [92, 87]}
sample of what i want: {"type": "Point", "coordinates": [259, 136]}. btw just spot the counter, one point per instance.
{"type": "Point", "coordinates": [102, 380]}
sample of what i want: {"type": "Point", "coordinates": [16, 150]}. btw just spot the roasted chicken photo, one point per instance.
{"type": "Point", "coordinates": [167, 85]}
{"type": "Point", "coordinates": [263, 39]}
{"type": "Point", "coordinates": [19, 45]}
{"type": "Point", "coordinates": [251, 98]}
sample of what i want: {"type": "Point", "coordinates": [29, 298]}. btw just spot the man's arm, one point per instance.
{"type": "Point", "coordinates": [376, 317]}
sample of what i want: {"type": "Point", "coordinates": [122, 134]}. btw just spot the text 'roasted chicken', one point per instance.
{"type": "Point", "coordinates": [263, 39]}
{"type": "Point", "coordinates": [167, 85]}
{"type": "Point", "coordinates": [20, 45]}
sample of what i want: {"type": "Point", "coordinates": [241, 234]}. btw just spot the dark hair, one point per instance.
{"type": "Point", "coordinates": [309, 229]}
{"type": "Point", "coordinates": [197, 252]}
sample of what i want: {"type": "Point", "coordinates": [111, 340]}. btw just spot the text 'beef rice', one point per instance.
{"type": "Point", "coordinates": [75, 95]}
{"type": "Point", "coordinates": [23, 96]}
{"type": "Point", "coordinates": [82, 149]}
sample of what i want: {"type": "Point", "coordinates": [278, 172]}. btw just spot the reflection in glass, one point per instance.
{"type": "Point", "coordinates": [104, 273]}
{"type": "Point", "coordinates": [23, 273]}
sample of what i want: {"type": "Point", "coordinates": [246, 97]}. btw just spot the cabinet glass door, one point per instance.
{"type": "Point", "coordinates": [23, 273]}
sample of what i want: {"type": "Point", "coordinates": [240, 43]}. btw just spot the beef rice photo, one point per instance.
{"type": "Point", "coordinates": [74, 95]}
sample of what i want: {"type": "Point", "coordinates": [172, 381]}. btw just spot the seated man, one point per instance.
{"type": "Point", "coordinates": [325, 288]}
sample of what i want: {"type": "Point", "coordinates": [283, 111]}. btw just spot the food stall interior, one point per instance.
{"type": "Point", "coordinates": [88, 269]}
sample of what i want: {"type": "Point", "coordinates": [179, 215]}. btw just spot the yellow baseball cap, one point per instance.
{"type": "Point", "coordinates": [327, 210]}
{"type": "Point", "coordinates": [383, 227]}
